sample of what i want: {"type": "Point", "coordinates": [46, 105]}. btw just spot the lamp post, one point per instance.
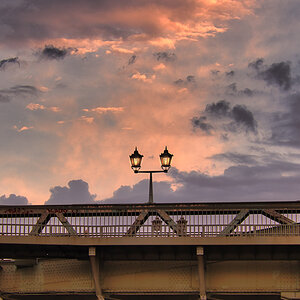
{"type": "Point", "coordinates": [165, 160]}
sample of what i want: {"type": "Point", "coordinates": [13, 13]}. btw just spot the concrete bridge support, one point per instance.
{"type": "Point", "coordinates": [95, 266]}
{"type": "Point", "coordinates": [201, 272]}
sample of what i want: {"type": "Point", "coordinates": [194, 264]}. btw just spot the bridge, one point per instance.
{"type": "Point", "coordinates": [151, 251]}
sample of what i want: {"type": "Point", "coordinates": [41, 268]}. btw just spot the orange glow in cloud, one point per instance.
{"type": "Point", "coordinates": [102, 110]}
{"type": "Point", "coordinates": [164, 29]}
{"type": "Point", "coordinates": [23, 128]}
{"type": "Point", "coordinates": [107, 106]}
{"type": "Point", "coordinates": [36, 106]}
{"type": "Point", "coordinates": [143, 77]}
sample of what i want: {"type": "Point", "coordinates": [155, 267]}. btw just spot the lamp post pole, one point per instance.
{"type": "Point", "coordinates": [150, 201]}
{"type": "Point", "coordinates": [136, 160]}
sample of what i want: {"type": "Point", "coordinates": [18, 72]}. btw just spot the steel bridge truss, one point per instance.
{"type": "Point", "coordinates": [155, 220]}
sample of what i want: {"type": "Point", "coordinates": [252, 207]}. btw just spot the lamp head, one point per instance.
{"type": "Point", "coordinates": [165, 159]}
{"type": "Point", "coordinates": [136, 160]}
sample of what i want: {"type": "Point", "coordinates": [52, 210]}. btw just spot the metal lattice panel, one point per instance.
{"type": "Point", "coordinates": [156, 220]}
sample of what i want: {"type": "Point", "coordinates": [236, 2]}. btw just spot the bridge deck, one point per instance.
{"type": "Point", "coordinates": [161, 224]}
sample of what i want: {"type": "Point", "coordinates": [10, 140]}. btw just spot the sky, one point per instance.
{"type": "Point", "coordinates": [84, 82]}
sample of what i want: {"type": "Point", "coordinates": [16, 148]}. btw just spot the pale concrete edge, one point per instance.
{"type": "Point", "coordinates": [177, 241]}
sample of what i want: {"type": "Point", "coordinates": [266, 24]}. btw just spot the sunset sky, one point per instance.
{"type": "Point", "coordinates": [82, 82]}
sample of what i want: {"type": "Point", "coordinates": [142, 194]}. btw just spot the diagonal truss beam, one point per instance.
{"type": "Point", "coordinates": [138, 223]}
{"type": "Point", "coordinates": [40, 224]}
{"type": "Point", "coordinates": [66, 223]}
{"type": "Point", "coordinates": [239, 218]}
{"type": "Point", "coordinates": [45, 218]}
{"type": "Point", "coordinates": [167, 219]}
{"type": "Point", "coordinates": [277, 217]}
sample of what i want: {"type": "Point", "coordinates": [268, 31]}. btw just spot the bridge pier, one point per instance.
{"type": "Point", "coordinates": [201, 272]}
{"type": "Point", "coordinates": [95, 266]}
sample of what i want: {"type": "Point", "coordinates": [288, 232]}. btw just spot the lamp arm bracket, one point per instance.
{"type": "Point", "coordinates": [148, 172]}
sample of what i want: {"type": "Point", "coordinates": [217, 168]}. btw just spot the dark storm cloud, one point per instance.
{"type": "Point", "coordinates": [278, 74]}
{"type": "Point", "coordinates": [13, 200]}
{"type": "Point", "coordinates": [77, 192]}
{"type": "Point", "coordinates": [165, 56]}
{"type": "Point", "coordinates": [286, 126]}
{"type": "Point", "coordinates": [244, 116]}
{"type": "Point", "coordinates": [132, 60]}
{"type": "Point", "coordinates": [241, 116]}
{"type": "Point", "coordinates": [242, 183]}
{"type": "Point", "coordinates": [238, 183]}
{"type": "Point", "coordinates": [200, 122]}
{"type": "Point", "coordinates": [221, 108]}
{"type": "Point", "coordinates": [236, 158]}
{"type": "Point", "coordinates": [7, 61]}
{"type": "Point", "coordinates": [51, 52]}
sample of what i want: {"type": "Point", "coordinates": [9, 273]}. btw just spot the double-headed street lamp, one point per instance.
{"type": "Point", "coordinates": [136, 160]}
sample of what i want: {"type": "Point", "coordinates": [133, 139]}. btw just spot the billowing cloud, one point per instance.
{"type": "Point", "coordinates": [77, 192]}
{"type": "Point", "coordinates": [240, 115]}
{"type": "Point", "coordinates": [278, 74]}
{"type": "Point", "coordinates": [147, 74]}
{"type": "Point", "coordinates": [176, 21]}
{"type": "Point", "coordinates": [138, 193]}
{"type": "Point", "coordinates": [12, 199]}
{"type": "Point", "coordinates": [275, 181]}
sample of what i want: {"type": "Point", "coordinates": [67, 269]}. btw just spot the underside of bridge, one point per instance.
{"type": "Point", "coordinates": [151, 272]}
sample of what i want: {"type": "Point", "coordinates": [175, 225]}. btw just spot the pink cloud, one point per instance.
{"type": "Point", "coordinates": [102, 110]}
{"type": "Point", "coordinates": [23, 128]}
{"type": "Point", "coordinates": [36, 106]}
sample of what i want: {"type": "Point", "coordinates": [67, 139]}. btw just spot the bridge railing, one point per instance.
{"type": "Point", "coordinates": [157, 220]}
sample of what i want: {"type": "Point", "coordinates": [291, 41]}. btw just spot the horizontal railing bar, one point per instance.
{"type": "Point", "coordinates": [170, 206]}
{"type": "Point", "coordinates": [88, 213]}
